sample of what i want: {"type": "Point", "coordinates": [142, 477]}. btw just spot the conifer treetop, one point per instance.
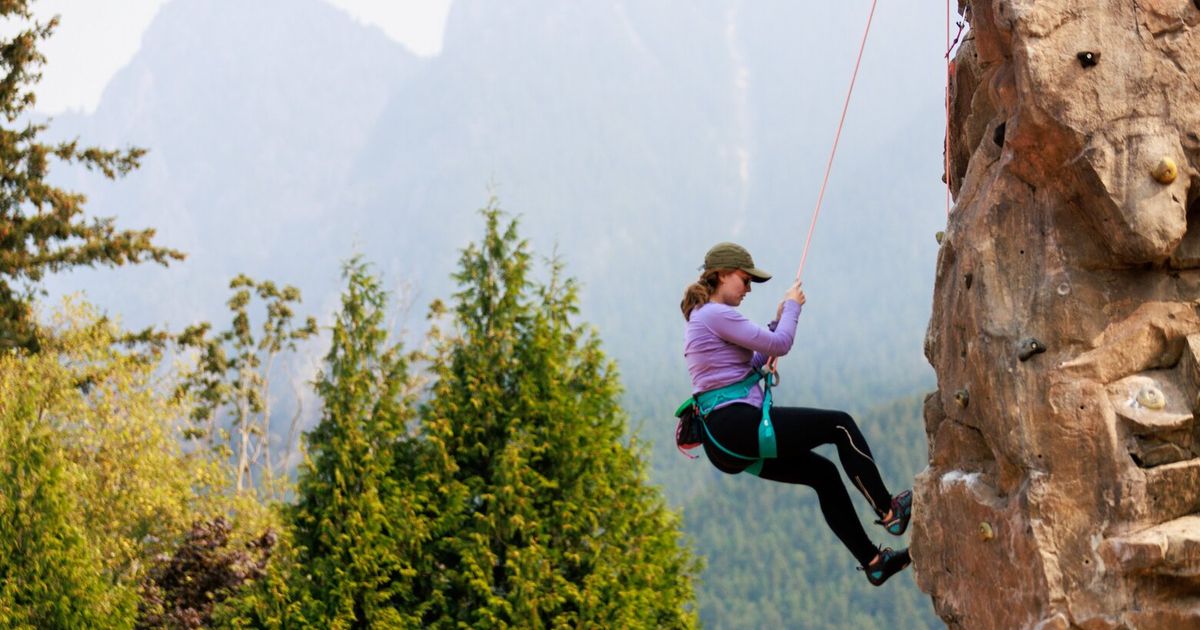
{"type": "Point", "coordinates": [42, 227]}
{"type": "Point", "coordinates": [544, 515]}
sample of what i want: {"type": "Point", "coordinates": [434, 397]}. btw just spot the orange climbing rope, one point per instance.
{"type": "Point", "coordinates": [946, 147]}
{"type": "Point", "coordinates": [773, 361]}
{"type": "Point", "coordinates": [837, 136]}
{"type": "Point", "coordinates": [949, 78]}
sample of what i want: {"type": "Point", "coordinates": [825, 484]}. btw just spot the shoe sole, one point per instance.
{"type": "Point", "coordinates": [900, 525]}
{"type": "Point", "coordinates": [885, 579]}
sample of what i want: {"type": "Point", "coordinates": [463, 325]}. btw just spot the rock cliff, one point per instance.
{"type": "Point", "coordinates": [1063, 487]}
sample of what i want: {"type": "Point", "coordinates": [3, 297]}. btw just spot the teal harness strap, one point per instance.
{"type": "Point", "coordinates": [714, 398]}
{"type": "Point", "coordinates": [710, 400]}
{"type": "Point", "coordinates": [767, 447]}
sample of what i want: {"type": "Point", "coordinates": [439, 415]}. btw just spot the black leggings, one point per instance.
{"type": "Point", "coordinates": [797, 431]}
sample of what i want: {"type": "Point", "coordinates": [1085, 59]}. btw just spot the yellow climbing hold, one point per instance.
{"type": "Point", "coordinates": [985, 531]}
{"type": "Point", "coordinates": [1151, 397]}
{"type": "Point", "coordinates": [1166, 171]}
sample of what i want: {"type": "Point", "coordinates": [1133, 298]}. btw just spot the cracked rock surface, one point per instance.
{"type": "Point", "coordinates": [1066, 494]}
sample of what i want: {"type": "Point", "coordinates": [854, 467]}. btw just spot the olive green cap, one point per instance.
{"type": "Point", "coordinates": [733, 256]}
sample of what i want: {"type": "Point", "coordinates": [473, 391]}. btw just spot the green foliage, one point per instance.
{"type": "Point", "coordinates": [546, 516]}
{"type": "Point", "coordinates": [88, 414]}
{"type": "Point", "coordinates": [356, 526]}
{"type": "Point", "coordinates": [42, 229]}
{"type": "Point", "coordinates": [233, 377]}
{"type": "Point", "coordinates": [279, 598]}
{"type": "Point", "coordinates": [117, 426]}
{"type": "Point", "coordinates": [51, 574]}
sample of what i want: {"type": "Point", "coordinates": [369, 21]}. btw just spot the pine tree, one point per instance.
{"type": "Point", "coordinates": [42, 229]}
{"type": "Point", "coordinates": [547, 517]}
{"type": "Point", "coordinates": [354, 522]}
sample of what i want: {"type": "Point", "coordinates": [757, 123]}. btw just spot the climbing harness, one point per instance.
{"type": "Point", "coordinates": [703, 404]}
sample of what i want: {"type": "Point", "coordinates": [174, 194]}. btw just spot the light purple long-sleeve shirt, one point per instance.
{"type": "Point", "coordinates": [722, 346]}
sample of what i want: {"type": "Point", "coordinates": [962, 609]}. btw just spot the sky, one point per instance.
{"type": "Point", "coordinates": [93, 41]}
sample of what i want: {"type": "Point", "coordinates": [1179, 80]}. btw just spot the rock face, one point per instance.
{"type": "Point", "coordinates": [1063, 488]}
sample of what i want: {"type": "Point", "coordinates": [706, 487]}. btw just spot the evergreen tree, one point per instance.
{"type": "Point", "coordinates": [547, 518]}
{"type": "Point", "coordinates": [280, 598]}
{"type": "Point", "coordinates": [41, 226]}
{"type": "Point", "coordinates": [354, 522]}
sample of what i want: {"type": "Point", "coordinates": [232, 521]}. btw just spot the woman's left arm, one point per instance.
{"type": "Point", "coordinates": [733, 327]}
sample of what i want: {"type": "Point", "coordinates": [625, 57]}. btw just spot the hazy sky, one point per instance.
{"type": "Point", "coordinates": [93, 40]}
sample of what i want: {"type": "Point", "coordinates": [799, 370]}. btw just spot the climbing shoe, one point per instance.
{"type": "Point", "coordinates": [897, 523]}
{"type": "Point", "coordinates": [889, 563]}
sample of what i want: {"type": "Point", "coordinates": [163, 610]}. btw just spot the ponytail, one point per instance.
{"type": "Point", "coordinates": [699, 291]}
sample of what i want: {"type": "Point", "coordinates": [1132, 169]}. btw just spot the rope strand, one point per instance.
{"type": "Point", "coordinates": [772, 362]}
{"type": "Point", "coordinates": [829, 167]}
{"type": "Point", "coordinates": [946, 137]}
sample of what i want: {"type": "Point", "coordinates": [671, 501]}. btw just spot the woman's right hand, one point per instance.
{"type": "Point", "coordinates": [795, 293]}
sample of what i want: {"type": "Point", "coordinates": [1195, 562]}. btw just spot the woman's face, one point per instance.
{"type": "Point", "coordinates": [732, 288]}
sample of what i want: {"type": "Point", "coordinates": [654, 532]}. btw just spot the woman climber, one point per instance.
{"type": "Point", "coordinates": [727, 356]}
